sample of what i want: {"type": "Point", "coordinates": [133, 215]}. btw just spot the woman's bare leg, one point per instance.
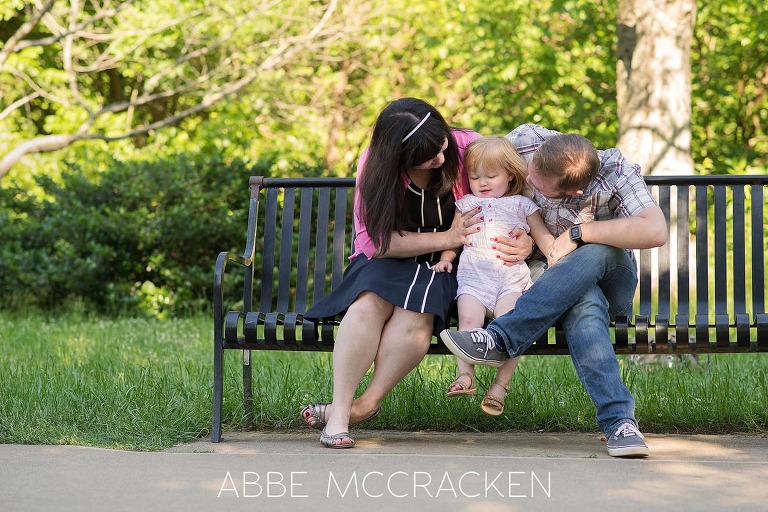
{"type": "Point", "coordinates": [357, 343]}
{"type": "Point", "coordinates": [404, 343]}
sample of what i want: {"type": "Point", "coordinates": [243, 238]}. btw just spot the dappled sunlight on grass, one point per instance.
{"type": "Point", "coordinates": [103, 382]}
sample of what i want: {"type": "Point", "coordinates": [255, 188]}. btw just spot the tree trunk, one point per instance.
{"type": "Point", "coordinates": [654, 83]}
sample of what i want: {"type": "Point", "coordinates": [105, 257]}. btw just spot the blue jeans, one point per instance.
{"type": "Point", "coordinates": [583, 291]}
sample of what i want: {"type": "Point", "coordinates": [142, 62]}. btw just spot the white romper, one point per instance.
{"type": "Point", "coordinates": [480, 273]}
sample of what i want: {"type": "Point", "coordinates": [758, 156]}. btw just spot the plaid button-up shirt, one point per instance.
{"type": "Point", "coordinates": [618, 190]}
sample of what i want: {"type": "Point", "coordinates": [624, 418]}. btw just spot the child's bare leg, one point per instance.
{"type": "Point", "coordinates": [493, 403]}
{"type": "Point", "coordinates": [471, 315]}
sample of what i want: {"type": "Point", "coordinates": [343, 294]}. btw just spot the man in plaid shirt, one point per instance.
{"type": "Point", "coordinates": [598, 207]}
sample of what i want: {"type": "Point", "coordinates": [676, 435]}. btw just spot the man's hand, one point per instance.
{"type": "Point", "coordinates": [515, 248]}
{"type": "Point", "coordinates": [562, 247]}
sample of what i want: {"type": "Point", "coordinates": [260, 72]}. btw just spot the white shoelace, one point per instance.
{"type": "Point", "coordinates": [481, 336]}
{"type": "Point", "coordinates": [627, 430]}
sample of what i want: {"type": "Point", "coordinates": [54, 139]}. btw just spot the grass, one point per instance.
{"type": "Point", "coordinates": [143, 384]}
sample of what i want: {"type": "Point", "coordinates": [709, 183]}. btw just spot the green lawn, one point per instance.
{"type": "Point", "coordinates": [146, 384]}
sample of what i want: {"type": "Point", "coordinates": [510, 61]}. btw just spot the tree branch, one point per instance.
{"type": "Point", "coordinates": [14, 42]}
{"type": "Point", "coordinates": [50, 143]}
{"type": "Point", "coordinates": [73, 30]}
{"type": "Point", "coordinates": [18, 104]}
{"type": "Point", "coordinates": [195, 77]}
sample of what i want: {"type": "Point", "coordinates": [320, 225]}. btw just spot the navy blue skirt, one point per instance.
{"type": "Point", "coordinates": [404, 283]}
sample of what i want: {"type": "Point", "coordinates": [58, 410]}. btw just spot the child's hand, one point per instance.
{"type": "Point", "coordinates": [443, 266]}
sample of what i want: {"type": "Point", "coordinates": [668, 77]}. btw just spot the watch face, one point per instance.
{"type": "Point", "coordinates": [575, 232]}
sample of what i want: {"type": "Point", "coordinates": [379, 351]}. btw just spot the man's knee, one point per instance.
{"type": "Point", "coordinates": [606, 253]}
{"type": "Point", "coordinates": [592, 302]}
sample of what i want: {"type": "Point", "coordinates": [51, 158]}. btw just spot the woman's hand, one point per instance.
{"type": "Point", "coordinates": [465, 225]}
{"type": "Point", "coordinates": [443, 266]}
{"type": "Point", "coordinates": [515, 248]}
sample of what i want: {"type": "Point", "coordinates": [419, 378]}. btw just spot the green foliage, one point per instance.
{"type": "Point", "coordinates": [730, 87]}
{"type": "Point", "coordinates": [140, 236]}
{"type": "Point", "coordinates": [553, 65]}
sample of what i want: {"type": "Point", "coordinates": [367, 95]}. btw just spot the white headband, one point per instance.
{"type": "Point", "coordinates": [417, 127]}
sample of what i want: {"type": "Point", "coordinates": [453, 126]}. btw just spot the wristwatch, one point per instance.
{"type": "Point", "coordinates": [575, 233]}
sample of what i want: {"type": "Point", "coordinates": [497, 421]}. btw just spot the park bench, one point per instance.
{"type": "Point", "coordinates": [703, 292]}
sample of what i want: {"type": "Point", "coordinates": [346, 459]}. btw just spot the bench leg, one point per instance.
{"type": "Point", "coordinates": [247, 390]}
{"type": "Point", "coordinates": [218, 384]}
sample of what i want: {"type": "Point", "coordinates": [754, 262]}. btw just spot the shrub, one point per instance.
{"type": "Point", "coordinates": [140, 236]}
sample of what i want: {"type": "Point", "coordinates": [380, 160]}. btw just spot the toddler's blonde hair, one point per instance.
{"type": "Point", "coordinates": [499, 152]}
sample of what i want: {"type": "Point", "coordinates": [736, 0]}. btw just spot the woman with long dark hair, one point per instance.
{"type": "Point", "coordinates": [392, 301]}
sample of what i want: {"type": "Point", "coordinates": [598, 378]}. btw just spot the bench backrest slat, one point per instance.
{"type": "Point", "coordinates": [339, 237]}
{"type": "Point", "coordinates": [739, 265]}
{"type": "Point", "coordinates": [302, 260]}
{"type": "Point", "coordinates": [664, 261]}
{"type": "Point", "coordinates": [683, 249]}
{"type": "Point", "coordinates": [268, 248]}
{"type": "Point", "coordinates": [644, 282]}
{"type": "Point", "coordinates": [758, 248]}
{"type": "Point", "coordinates": [702, 252]}
{"type": "Point", "coordinates": [321, 241]}
{"type": "Point", "coordinates": [284, 288]}
{"type": "Point", "coordinates": [720, 246]}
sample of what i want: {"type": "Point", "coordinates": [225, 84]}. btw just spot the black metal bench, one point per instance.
{"type": "Point", "coordinates": [704, 291]}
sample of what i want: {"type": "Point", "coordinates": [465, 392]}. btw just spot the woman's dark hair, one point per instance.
{"type": "Point", "coordinates": [381, 186]}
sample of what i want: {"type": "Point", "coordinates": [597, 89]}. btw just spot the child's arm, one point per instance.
{"type": "Point", "coordinates": [447, 257]}
{"type": "Point", "coordinates": [446, 261]}
{"type": "Point", "coordinates": [541, 235]}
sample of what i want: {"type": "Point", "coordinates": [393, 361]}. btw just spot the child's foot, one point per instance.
{"type": "Point", "coordinates": [464, 384]}
{"type": "Point", "coordinates": [493, 402]}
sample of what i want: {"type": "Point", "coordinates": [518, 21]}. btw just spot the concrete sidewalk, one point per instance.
{"type": "Point", "coordinates": [392, 471]}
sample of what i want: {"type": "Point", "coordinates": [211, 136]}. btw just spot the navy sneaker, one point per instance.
{"type": "Point", "coordinates": [627, 441]}
{"type": "Point", "coordinates": [477, 346]}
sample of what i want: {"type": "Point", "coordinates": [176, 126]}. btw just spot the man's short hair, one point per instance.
{"type": "Point", "coordinates": [569, 159]}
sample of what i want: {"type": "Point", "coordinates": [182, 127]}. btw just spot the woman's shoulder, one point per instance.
{"type": "Point", "coordinates": [464, 136]}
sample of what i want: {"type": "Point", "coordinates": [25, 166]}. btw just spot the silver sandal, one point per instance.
{"type": "Point", "coordinates": [316, 412]}
{"type": "Point", "coordinates": [329, 441]}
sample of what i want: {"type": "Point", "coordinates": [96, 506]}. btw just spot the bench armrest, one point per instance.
{"type": "Point", "coordinates": [218, 278]}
